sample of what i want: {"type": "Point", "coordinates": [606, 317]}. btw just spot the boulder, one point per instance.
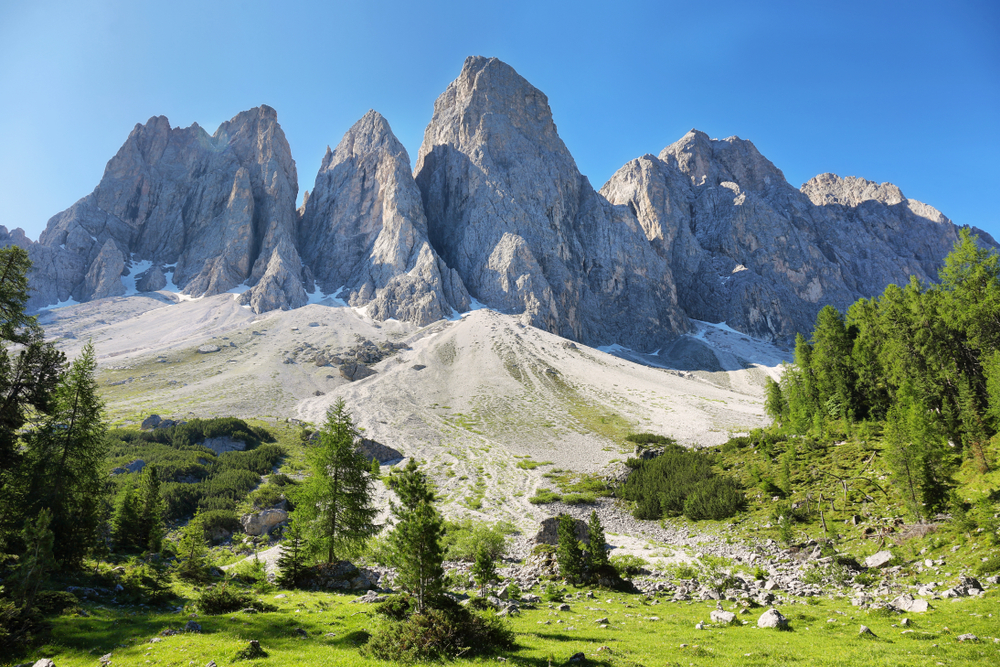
{"type": "Point", "coordinates": [224, 443]}
{"type": "Point", "coordinates": [263, 522]}
{"type": "Point", "coordinates": [151, 422]}
{"type": "Point", "coordinates": [772, 618]}
{"type": "Point", "coordinates": [548, 532]}
{"type": "Point", "coordinates": [908, 603]}
{"type": "Point", "coordinates": [880, 559]}
{"type": "Point", "coordinates": [866, 633]}
{"type": "Point", "coordinates": [720, 616]}
{"type": "Point", "coordinates": [208, 349]}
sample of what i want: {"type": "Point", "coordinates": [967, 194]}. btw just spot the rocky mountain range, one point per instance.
{"type": "Point", "coordinates": [495, 210]}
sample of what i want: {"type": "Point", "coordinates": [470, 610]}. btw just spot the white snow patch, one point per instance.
{"type": "Point", "coordinates": [174, 289]}
{"type": "Point", "coordinates": [239, 289]}
{"type": "Point", "coordinates": [61, 304]}
{"type": "Point", "coordinates": [614, 349]}
{"type": "Point", "coordinates": [129, 280]}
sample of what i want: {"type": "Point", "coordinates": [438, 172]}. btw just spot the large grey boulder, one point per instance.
{"type": "Point", "coordinates": [906, 602]}
{"type": "Point", "coordinates": [363, 229]}
{"type": "Point", "coordinates": [772, 618]}
{"type": "Point", "coordinates": [879, 559]}
{"type": "Point", "coordinates": [262, 522]}
{"type": "Point", "coordinates": [548, 531]}
{"type": "Point", "coordinates": [508, 209]}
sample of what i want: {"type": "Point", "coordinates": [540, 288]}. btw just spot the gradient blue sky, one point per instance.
{"type": "Point", "coordinates": [907, 92]}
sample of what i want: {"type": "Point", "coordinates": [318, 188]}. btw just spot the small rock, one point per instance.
{"type": "Point", "coordinates": [578, 657]}
{"type": "Point", "coordinates": [44, 662]}
{"type": "Point", "coordinates": [602, 620]}
{"type": "Point", "coordinates": [208, 349]}
{"type": "Point", "coordinates": [969, 637]}
{"type": "Point", "coordinates": [191, 626]}
{"type": "Point", "coordinates": [699, 626]}
{"type": "Point", "coordinates": [563, 607]}
{"type": "Point", "coordinates": [866, 632]}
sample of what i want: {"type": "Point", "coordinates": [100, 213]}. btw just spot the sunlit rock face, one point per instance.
{"type": "Point", "coordinates": [363, 229]}
{"type": "Point", "coordinates": [508, 209]}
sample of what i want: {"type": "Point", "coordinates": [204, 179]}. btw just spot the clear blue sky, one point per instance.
{"type": "Point", "coordinates": [907, 92]}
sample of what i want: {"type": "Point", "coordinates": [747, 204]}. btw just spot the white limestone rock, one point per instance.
{"type": "Point", "coordinates": [363, 228]}
{"type": "Point", "coordinates": [508, 209]}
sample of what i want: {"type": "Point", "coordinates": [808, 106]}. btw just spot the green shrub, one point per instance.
{"type": "Point", "coordinates": [462, 539]}
{"type": "Point", "coordinates": [440, 634]}
{"type": "Point", "coordinates": [628, 565]}
{"type": "Point", "coordinates": [578, 498]}
{"type": "Point", "coordinates": [225, 599]}
{"type": "Point", "coordinates": [662, 486]}
{"type": "Point", "coordinates": [552, 593]}
{"type": "Point", "coordinates": [220, 520]}
{"type": "Point", "coordinates": [544, 496]}
{"type": "Point", "coordinates": [53, 603]}
{"type": "Point", "coordinates": [989, 566]}
{"type": "Point", "coordinates": [144, 583]}
{"type": "Point", "coordinates": [650, 439]}
{"type": "Point", "coordinates": [396, 607]}
{"type": "Point", "coordinates": [716, 498]}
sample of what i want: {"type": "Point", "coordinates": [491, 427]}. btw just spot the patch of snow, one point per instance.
{"type": "Point", "coordinates": [239, 289]}
{"type": "Point", "coordinates": [614, 349]}
{"type": "Point", "coordinates": [61, 304]}
{"type": "Point", "coordinates": [174, 289]}
{"type": "Point", "coordinates": [722, 326]}
{"type": "Point", "coordinates": [129, 280]}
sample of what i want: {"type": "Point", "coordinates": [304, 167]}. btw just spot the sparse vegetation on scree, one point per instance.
{"type": "Point", "coordinates": [879, 480]}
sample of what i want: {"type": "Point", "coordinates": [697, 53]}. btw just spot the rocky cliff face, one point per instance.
{"type": "Point", "coordinates": [507, 208]}
{"type": "Point", "coordinates": [495, 208]}
{"type": "Point", "coordinates": [363, 229]}
{"type": "Point", "coordinates": [218, 211]}
{"type": "Point", "coordinates": [748, 248]}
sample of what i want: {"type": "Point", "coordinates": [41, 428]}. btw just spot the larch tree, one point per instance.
{"type": "Point", "coordinates": [336, 502]}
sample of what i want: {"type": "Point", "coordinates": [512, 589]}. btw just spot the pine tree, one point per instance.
{"type": "Point", "coordinates": [775, 405]}
{"type": "Point", "coordinates": [415, 542]}
{"type": "Point", "coordinates": [64, 462]}
{"type": "Point", "coordinates": [569, 556]}
{"type": "Point", "coordinates": [337, 500]}
{"type": "Point", "coordinates": [292, 561]}
{"type": "Point", "coordinates": [484, 570]}
{"type": "Point", "coordinates": [126, 521]}
{"type": "Point", "coordinates": [597, 556]}
{"type": "Point", "coordinates": [151, 509]}
{"type": "Point", "coordinates": [36, 563]}
{"type": "Point", "coordinates": [192, 553]}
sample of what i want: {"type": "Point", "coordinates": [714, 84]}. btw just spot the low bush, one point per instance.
{"type": "Point", "coordinates": [396, 607]}
{"type": "Point", "coordinates": [716, 498]}
{"type": "Point", "coordinates": [440, 634]}
{"type": "Point", "coordinates": [53, 603]}
{"type": "Point", "coordinates": [144, 583]}
{"type": "Point", "coordinates": [225, 598]}
{"type": "Point", "coordinates": [544, 496]}
{"type": "Point", "coordinates": [463, 538]}
{"type": "Point", "coordinates": [989, 566]}
{"type": "Point", "coordinates": [628, 565]}
{"type": "Point", "coordinates": [663, 487]}
{"type": "Point", "coordinates": [215, 520]}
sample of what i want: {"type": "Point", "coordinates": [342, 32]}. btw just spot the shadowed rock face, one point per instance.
{"type": "Point", "coordinates": [707, 229]}
{"type": "Point", "coordinates": [219, 208]}
{"type": "Point", "coordinates": [748, 248]}
{"type": "Point", "coordinates": [507, 208]}
{"type": "Point", "coordinates": [363, 229]}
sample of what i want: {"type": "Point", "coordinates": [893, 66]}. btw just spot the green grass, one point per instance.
{"type": "Point", "coordinates": [528, 464]}
{"type": "Point", "coordinates": [632, 637]}
{"type": "Point", "coordinates": [543, 496]}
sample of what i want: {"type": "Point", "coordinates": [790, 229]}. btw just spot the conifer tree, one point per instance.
{"type": "Point", "coordinates": [597, 556]}
{"type": "Point", "coordinates": [64, 460]}
{"type": "Point", "coordinates": [336, 501]}
{"type": "Point", "coordinates": [484, 569]}
{"type": "Point", "coordinates": [292, 561]}
{"type": "Point", "coordinates": [126, 521]}
{"type": "Point", "coordinates": [415, 541]}
{"type": "Point", "coordinates": [192, 553]}
{"type": "Point", "coordinates": [569, 556]}
{"type": "Point", "coordinates": [36, 563]}
{"type": "Point", "coordinates": [151, 509]}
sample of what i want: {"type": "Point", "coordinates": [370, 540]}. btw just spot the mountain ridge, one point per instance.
{"type": "Point", "coordinates": [493, 209]}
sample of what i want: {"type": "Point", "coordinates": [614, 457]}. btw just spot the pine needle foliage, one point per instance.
{"type": "Point", "coordinates": [336, 502]}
